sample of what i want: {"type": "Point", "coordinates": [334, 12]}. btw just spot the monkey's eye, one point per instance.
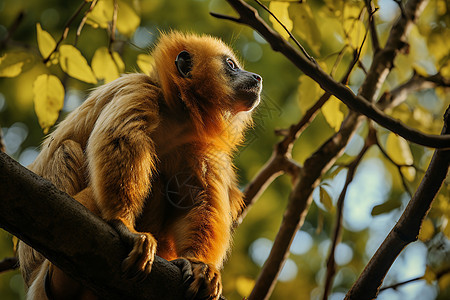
{"type": "Point", "coordinates": [231, 64]}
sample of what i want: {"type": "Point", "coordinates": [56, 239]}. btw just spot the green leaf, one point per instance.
{"type": "Point", "coordinates": [13, 63]}
{"type": "Point", "coordinates": [48, 99]}
{"type": "Point", "coordinates": [45, 41]}
{"type": "Point", "coordinates": [280, 10]}
{"type": "Point", "coordinates": [325, 199]}
{"type": "Point", "coordinates": [74, 64]}
{"type": "Point", "coordinates": [305, 25]}
{"type": "Point", "coordinates": [107, 66]}
{"type": "Point", "coordinates": [332, 113]}
{"type": "Point", "coordinates": [145, 63]}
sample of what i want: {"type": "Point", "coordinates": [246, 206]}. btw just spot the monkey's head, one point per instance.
{"type": "Point", "coordinates": [202, 74]}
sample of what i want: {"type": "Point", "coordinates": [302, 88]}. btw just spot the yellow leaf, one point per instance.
{"type": "Point", "coordinates": [325, 199]}
{"type": "Point", "coordinates": [308, 92]}
{"type": "Point", "coordinates": [12, 63]}
{"type": "Point", "coordinates": [332, 113]}
{"type": "Point", "coordinates": [280, 10]}
{"type": "Point", "coordinates": [429, 275]}
{"type": "Point", "coordinates": [145, 63]}
{"type": "Point", "coordinates": [426, 230]}
{"type": "Point", "coordinates": [244, 285]}
{"type": "Point", "coordinates": [127, 19]}
{"type": "Point", "coordinates": [107, 66]}
{"type": "Point", "coordinates": [101, 15]}
{"type": "Point", "coordinates": [74, 64]}
{"type": "Point", "coordinates": [398, 149]}
{"type": "Point", "coordinates": [45, 41]}
{"type": "Point", "coordinates": [305, 25]}
{"type": "Point", "coordinates": [48, 99]}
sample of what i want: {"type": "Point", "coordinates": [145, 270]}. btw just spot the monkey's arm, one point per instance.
{"type": "Point", "coordinates": [203, 235]}
{"type": "Point", "coordinates": [121, 160]}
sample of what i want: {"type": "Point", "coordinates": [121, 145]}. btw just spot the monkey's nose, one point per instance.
{"type": "Point", "coordinates": [257, 77]}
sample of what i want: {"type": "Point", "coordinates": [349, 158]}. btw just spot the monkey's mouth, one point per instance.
{"type": "Point", "coordinates": [248, 99]}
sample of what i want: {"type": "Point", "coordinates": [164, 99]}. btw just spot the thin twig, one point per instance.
{"type": "Point", "coordinates": [331, 264]}
{"type": "Point", "coordinates": [396, 285]}
{"type": "Point", "coordinates": [287, 31]}
{"type": "Point", "coordinates": [83, 21]}
{"type": "Point", "coordinates": [398, 166]}
{"type": "Point", "coordinates": [66, 30]}
{"type": "Point", "coordinates": [382, 63]}
{"type": "Point", "coordinates": [373, 30]}
{"type": "Point", "coordinates": [12, 29]}
{"type": "Point", "coordinates": [408, 226]}
{"type": "Point", "coordinates": [112, 35]}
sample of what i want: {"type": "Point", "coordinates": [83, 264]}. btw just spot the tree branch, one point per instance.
{"type": "Point", "coordinates": [407, 228]}
{"type": "Point", "coordinates": [8, 264]}
{"type": "Point", "coordinates": [74, 239]}
{"type": "Point", "coordinates": [415, 83]}
{"type": "Point", "coordinates": [301, 195]}
{"type": "Point", "coordinates": [383, 62]}
{"type": "Point", "coordinates": [331, 264]}
{"type": "Point", "coordinates": [373, 31]}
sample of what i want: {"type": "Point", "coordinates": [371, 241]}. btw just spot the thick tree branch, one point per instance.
{"type": "Point", "coordinates": [74, 239]}
{"type": "Point", "coordinates": [407, 228]}
{"type": "Point", "coordinates": [383, 62]}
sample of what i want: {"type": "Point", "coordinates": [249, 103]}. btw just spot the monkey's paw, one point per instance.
{"type": "Point", "coordinates": [138, 263]}
{"type": "Point", "coordinates": [203, 280]}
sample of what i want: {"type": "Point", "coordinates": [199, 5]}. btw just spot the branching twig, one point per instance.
{"type": "Point", "coordinates": [415, 83]}
{"type": "Point", "coordinates": [396, 285]}
{"type": "Point", "coordinates": [373, 31]}
{"type": "Point", "coordinates": [407, 228]}
{"type": "Point", "coordinates": [12, 29]}
{"type": "Point", "coordinates": [301, 195]}
{"type": "Point", "coordinates": [280, 161]}
{"type": "Point", "coordinates": [83, 21]}
{"type": "Point", "coordinates": [398, 166]}
{"type": "Point", "coordinates": [288, 32]}
{"type": "Point", "coordinates": [383, 62]}
{"type": "Point", "coordinates": [66, 30]}
{"type": "Point", "coordinates": [9, 264]}
{"type": "Point", "coordinates": [331, 264]}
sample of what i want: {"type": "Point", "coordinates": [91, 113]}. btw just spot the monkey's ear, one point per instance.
{"type": "Point", "coordinates": [184, 63]}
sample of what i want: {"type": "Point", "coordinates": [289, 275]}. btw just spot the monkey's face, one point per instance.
{"type": "Point", "coordinates": [246, 86]}
{"type": "Point", "coordinates": [241, 88]}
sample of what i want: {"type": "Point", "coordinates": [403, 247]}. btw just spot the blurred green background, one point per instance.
{"type": "Point", "coordinates": [375, 199]}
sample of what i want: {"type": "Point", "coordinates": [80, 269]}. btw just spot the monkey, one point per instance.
{"type": "Point", "coordinates": [152, 156]}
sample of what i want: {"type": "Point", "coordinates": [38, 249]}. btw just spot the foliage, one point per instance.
{"type": "Point", "coordinates": [56, 51]}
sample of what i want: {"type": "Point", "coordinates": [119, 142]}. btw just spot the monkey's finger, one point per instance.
{"type": "Point", "coordinates": [186, 269]}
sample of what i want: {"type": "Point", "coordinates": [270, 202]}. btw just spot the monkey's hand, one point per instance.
{"type": "Point", "coordinates": [203, 280]}
{"type": "Point", "coordinates": [138, 264]}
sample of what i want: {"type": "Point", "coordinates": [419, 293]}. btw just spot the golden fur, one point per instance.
{"type": "Point", "coordinates": [123, 150]}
